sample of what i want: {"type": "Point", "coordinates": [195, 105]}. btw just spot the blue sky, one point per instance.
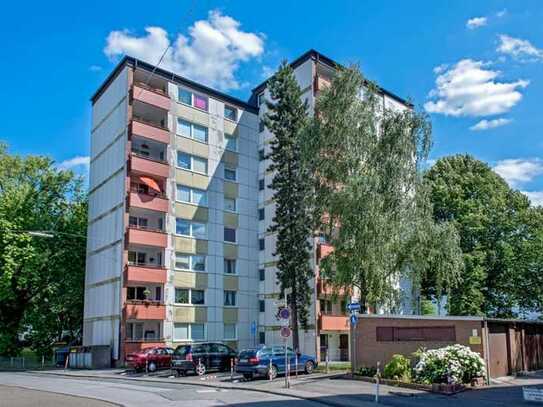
{"type": "Point", "coordinates": [487, 57]}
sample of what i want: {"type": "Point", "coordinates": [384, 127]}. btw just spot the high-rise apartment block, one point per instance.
{"type": "Point", "coordinates": [179, 210]}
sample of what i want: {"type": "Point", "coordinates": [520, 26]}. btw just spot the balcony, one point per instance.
{"type": "Point", "coordinates": [323, 250]}
{"type": "Point", "coordinates": [145, 274]}
{"type": "Point", "coordinates": [333, 322]}
{"type": "Point", "coordinates": [148, 166]}
{"type": "Point", "coordinates": [150, 130]}
{"type": "Point", "coordinates": [144, 310]}
{"type": "Point", "coordinates": [151, 95]}
{"type": "Point", "coordinates": [146, 237]}
{"type": "Point", "coordinates": [154, 202]}
{"type": "Point", "coordinates": [325, 288]}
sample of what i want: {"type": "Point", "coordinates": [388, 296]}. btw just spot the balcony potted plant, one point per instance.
{"type": "Point", "coordinates": [146, 295]}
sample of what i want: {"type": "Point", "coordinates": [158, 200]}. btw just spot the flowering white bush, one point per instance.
{"type": "Point", "coordinates": [457, 362]}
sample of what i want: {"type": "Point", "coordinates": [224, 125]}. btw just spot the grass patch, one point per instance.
{"type": "Point", "coordinates": [333, 366]}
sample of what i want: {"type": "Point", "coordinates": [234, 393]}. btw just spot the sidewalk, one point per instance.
{"type": "Point", "coordinates": [315, 394]}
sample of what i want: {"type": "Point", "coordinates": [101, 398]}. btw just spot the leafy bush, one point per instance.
{"type": "Point", "coordinates": [399, 368]}
{"type": "Point", "coordinates": [367, 371]}
{"type": "Point", "coordinates": [457, 362]}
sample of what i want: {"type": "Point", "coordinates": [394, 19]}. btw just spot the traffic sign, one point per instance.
{"type": "Point", "coordinates": [354, 319]}
{"type": "Point", "coordinates": [285, 331]}
{"type": "Point", "coordinates": [253, 328]}
{"type": "Point", "coordinates": [284, 313]}
{"type": "Point", "coordinates": [353, 306]}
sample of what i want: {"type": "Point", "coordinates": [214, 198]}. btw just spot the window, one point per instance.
{"type": "Point", "coordinates": [191, 163]}
{"type": "Point", "coordinates": [261, 155]}
{"type": "Point", "coordinates": [326, 306]}
{"type": "Point", "coordinates": [230, 331]}
{"type": "Point", "coordinates": [135, 293]}
{"type": "Point", "coordinates": [261, 244]}
{"type": "Point", "coordinates": [261, 213]}
{"type": "Point", "coordinates": [231, 142]}
{"type": "Point", "coordinates": [189, 296]}
{"type": "Point", "coordinates": [137, 222]}
{"type": "Point", "coordinates": [191, 262]}
{"type": "Point", "coordinates": [262, 306]}
{"type": "Point", "coordinates": [262, 274]}
{"type": "Point", "coordinates": [187, 228]}
{"type": "Point", "coordinates": [230, 235]}
{"type": "Point", "coordinates": [261, 338]}
{"type": "Point", "coordinates": [229, 298]}
{"type": "Point", "coordinates": [230, 266]}
{"type": "Point", "coordinates": [229, 174]}
{"type": "Point", "coordinates": [134, 330]}
{"type": "Point", "coordinates": [260, 99]}
{"type": "Point", "coordinates": [137, 258]}
{"type": "Point", "coordinates": [261, 126]}
{"type": "Point", "coordinates": [190, 130]}
{"type": "Point", "coordinates": [230, 204]}
{"type": "Point", "coordinates": [431, 334]}
{"type": "Point", "coordinates": [195, 332]}
{"type": "Point", "coordinates": [261, 184]}
{"type": "Point", "coordinates": [191, 195]}
{"type": "Point", "coordinates": [192, 99]}
{"type": "Point", "coordinates": [230, 113]}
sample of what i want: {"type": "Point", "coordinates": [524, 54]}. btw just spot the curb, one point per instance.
{"type": "Point", "coordinates": [209, 385]}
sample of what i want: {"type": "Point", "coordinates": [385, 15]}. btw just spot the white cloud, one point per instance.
{"type": "Point", "coordinates": [476, 22]}
{"type": "Point", "coordinates": [211, 53]}
{"type": "Point", "coordinates": [519, 171]}
{"type": "Point", "coordinates": [77, 161]}
{"type": "Point", "coordinates": [469, 88]}
{"type": "Point", "coordinates": [95, 68]}
{"type": "Point", "coordinates": [535, 197]}
{"type": "Point", "coordinates": [501, 13]}
{"type": "Point", "coordinates": [490, 124]}
{"type": "Point", "coordinates": [518, 48]}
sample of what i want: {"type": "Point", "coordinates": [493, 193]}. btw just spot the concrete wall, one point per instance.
{"type": "Point", "coordinates": [106, 216]}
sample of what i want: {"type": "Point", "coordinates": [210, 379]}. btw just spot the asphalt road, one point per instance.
{"type": "Point", "coordinates": [133, 394]}
{"type": "Point", "coordinates": [21, 397]}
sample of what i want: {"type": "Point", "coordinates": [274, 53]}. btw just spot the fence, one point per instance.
{"type": "Point", "coordinates": [26, 362]}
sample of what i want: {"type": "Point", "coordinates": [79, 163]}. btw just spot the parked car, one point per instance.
{"type": "Point", "coordinates": [256, 362]}
{"type": "Point", "coordinates": [202, 357]}
{"type": "Point", "coordinates": [153, 358]}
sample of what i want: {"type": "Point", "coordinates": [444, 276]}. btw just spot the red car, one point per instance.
{"type": "Point", "coordinates": [158, 357]}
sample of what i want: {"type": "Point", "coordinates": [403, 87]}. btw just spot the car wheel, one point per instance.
{"type": "Point", "coordinates": [309, 367]}
{"type": "Point", "coordinates": [248, 376]}
{"type": "Point", "coordinates": [272, 371]}
{"type": "Point", "coordinates": [151, 367]}
{"type": "Point", "coordinates": [200, 369]}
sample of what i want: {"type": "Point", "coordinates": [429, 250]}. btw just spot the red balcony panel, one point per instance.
{"type": "Point", "coordinates": [149, 131]}
{"type": "Point", "coordinates": [325, 288]}
{"type": "Point", "coordinates": [147, 237]}
{"type": "Point", "coordinates": [152, 202]}
{"type": "Point", "coordinates": [132, 346]}
{"type": "Point", "coordinates": [144, 310]}
{"type": "Point", "coordinates": [323, 250]}
{"type": "Point", "coordinates": [152, 97]}
{"type": "Point", "coordinates": [148, 166]}
{"type": "Point", "coordinates": [333, 323]}
{"type": "Point", "coordinates": [143, 274]}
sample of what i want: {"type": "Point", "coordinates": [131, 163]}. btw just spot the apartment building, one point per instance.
{"type": "Point", "coordinates": [179, 208]}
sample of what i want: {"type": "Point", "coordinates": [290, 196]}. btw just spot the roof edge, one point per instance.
{"type": "Point", "coordinates": [134, 62]}
{"type": "Point", "coordinates": [317, 56]}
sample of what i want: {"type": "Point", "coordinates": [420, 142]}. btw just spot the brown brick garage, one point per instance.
{"type": "Point", "coordinates": [508, 346]}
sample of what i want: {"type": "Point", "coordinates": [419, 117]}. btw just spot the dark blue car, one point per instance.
{"type": "Point", "coordinates": [256, 362]}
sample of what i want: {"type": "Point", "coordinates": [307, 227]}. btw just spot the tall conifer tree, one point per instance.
{"type": "Point", "coordinates": [286, 118]}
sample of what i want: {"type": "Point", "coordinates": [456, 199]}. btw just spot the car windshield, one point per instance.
{"type": "Point", "coordinates": [182, 350]}
{"type": "Point", "coordinates": [246, 354]}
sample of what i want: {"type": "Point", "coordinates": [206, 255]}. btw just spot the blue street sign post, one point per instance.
{"type": "Point", "coordinates": [354, 319]}
{"type": "Point", "coordinates": [353, 306]}
{"type": "Point", "coordinates": [253, 331]}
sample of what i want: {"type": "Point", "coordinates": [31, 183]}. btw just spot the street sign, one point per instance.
{"type": "Point", "coordinates": [284, 322]}
{"type": "Point", "coordinates": [285, 331]}
{"type": "Point", "coordinates": [284, 313]}
{"type": "Point", "coordinates": [354, 319]}
{"type": "Point", "coordinates": [353, 306]}
{"type": "Point", "coordinates": [253, 328]}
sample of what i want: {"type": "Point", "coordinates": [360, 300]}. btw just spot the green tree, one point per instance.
{"type": "Point", "coordinates": [41, 278]}
{"type": "Point", "coordinates": [286, 118]}
{"type": "Point", "coordinates": [490, 219]}
{"type": "Point", "coordinates": [368, 191]}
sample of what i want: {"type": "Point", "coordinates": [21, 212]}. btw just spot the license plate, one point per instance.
{"type": "Point", "coordinates": [243, 360]}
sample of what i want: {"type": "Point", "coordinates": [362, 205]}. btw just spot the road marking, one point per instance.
{"type": "Point", "coordinates": [207, 391]}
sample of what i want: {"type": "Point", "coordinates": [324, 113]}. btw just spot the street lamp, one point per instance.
{"type": "Point", "coordinates": [38, 233]}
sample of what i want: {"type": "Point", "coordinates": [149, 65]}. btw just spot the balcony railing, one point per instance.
{"type": "Point", "coordinates": [145, 273]}
{"type": "Point", "coordinates": [147, 310]}
{"type": "Point", "coordinates": [151, 97]}
{"type": "Point", "coordinates": [150, 88]}
{"type": "Point", "coordinates": [333, 322]}
{"type": "Point", "coordinates": [146, 237]}
{"type": "Point", "coordinates": [147, 165]}
{"type": "Point", "coordinates": [148, 122]}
